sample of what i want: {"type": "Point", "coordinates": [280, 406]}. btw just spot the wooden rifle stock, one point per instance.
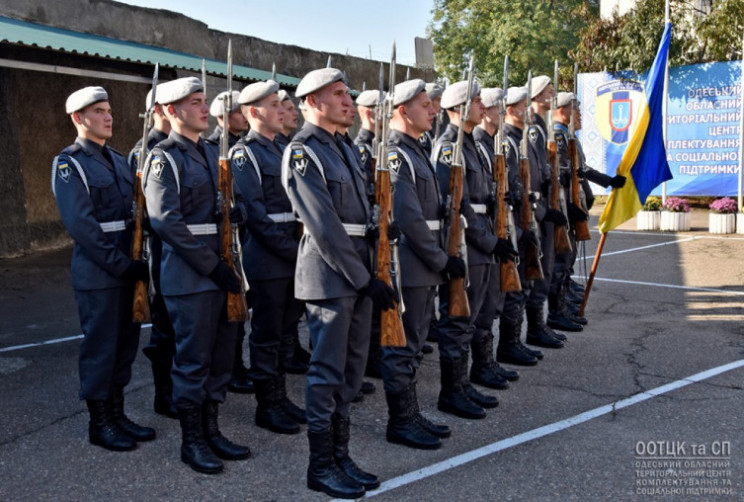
{"type": "Point", "coordinates": [509, 273]}
{"type": "Point", "coordinates": [141, 304]}
{"type": "Point", "coordinates": [562, 242]}
{"type": "Point", "coordinates": [533, 267]}
{"type": "Point", "coordinates": [581, 228]}
{"type": "Point", "coordinates": [237, 309]}
{"type": "Point", "coordinates": [458, 306]}
{"type": "Point", "coordinates": [391, 324]}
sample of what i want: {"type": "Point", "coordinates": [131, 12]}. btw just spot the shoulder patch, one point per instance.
{"type": "Point", "coordinates": [507, 147]}
{"type": "Point", "coordinates": [363, 153]}
{"type": "Point", "coordinates": [239, 159]}
{"type": "Point", "coordinates": [560, 141]}
{"type": "Point", "coordinates": [394, 162]}
{"type": "Point", "coordinates": [63, 170]}
{"type": "Point", "coordinates": [423, 139]}
{"type": "Point", "coordinates": [532, 135]}
{"type": "Point", "coordinates": [156, 166]}
{"type": "Point", "coordinates": [445, 156]}
{"type": "Point", "coordinates": [299, 162]}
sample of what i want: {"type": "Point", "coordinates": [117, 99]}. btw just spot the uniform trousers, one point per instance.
{"type": "Point", "coordinates": [339, 333]}
{"type": "Point", "coordinates": [110, 340]}
{"type": "Point", "coordinates": [492, 305]}
{"type": "Point", "coordinates": [540, 288]}
{"type": "Point", "coordinates": [205, 346]}
{"type": "Point", "coordinates": [399, 364]}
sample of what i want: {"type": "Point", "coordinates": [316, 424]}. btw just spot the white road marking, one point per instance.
{"type": "Point", "coordinates": [545, 430]}
{"type": "Point", "coordinates": [49, 342]}
{"type": "Point", "coordinates": [671, 286]}
{"type": "Point", "coordinates": [631, 250]}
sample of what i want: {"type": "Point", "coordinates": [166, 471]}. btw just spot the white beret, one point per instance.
{"type": "Point", "coordinates": [565, 98]}
{"type": "Point", "coordinates": [283, 95]}
{"type": "Point", "coordinates": [369, 98]}
{"type": "Point", "coordinates": [256, 92]}
{"type": "Point", "coordinates": [539, 84]}
{"type": "Point", "coordinates": [176, 90]}
{"type": "Point", "coordinates": [492, 96]}
{"type": "Point", "coordinates": [406, 91]}
{"type": "Point", "coordinates": [317, 79]}
{"type": "Point", "coordinates": [84, 97]}
{"type": "Point", "coordinates": [456, 94]}
{"type": "Point", "coordinates": [515, 95]}
{"type": "Point", "coordinates": [217, 107]}
{"type": "Point", "coordinates": [433, 90]}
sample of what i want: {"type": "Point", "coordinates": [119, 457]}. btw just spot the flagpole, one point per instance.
{"type": "Point", "coordinates": [741, 132]}
{"type": "Point", "coordinates": [593, 272]}
{"type": "Point", "coordinates": [665, 98]}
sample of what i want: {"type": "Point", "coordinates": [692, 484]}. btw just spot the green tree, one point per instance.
{"type": "Point", "coordinates": [630, 41]}
{"type": "Point", "coordinates": [533, 33]}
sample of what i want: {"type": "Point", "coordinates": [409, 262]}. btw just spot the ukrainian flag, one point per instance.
{"type": "Point", "coordinates": [644, 162]}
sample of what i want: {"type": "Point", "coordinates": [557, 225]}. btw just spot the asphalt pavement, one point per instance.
{"type": "Point", "coordinates": [647, 403]}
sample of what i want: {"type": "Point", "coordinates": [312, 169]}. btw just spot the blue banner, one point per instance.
{"type": "Point", "coordinates": [703, 124]}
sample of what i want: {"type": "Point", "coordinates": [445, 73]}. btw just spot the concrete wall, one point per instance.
{"type": "Point", "coordinates": [34, 128]}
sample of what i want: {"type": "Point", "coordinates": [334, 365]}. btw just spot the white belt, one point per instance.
{"type": "Point", "coordinates": [203, 228]}
{"type": "Point", "coordinates": [433, 224]}
{"type": "Point", "coordinates": [479, 208]}
{"type": "Point", "coordinates": [113, 226]}
{"type": "Point", "coordinates": [352, 229]}
{"type": "Point", "coordinates": [282, 217]}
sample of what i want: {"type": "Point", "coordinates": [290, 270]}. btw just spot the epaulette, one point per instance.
{"type": "Point", "coordinates": [165, 144]}
{"type": "Point", "coordinates": [73, 148]}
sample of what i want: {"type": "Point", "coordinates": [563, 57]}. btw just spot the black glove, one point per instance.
{"type": "Point", "coordinates": [533, 198]}
{"type": "Point", "coordinates": [504, 250]}
{"type": "Point", "coordinates": [555, 216]}
{"type": "Point", "coordinates": [137, 270]}
{"type": "Point", "coordinates": [576, 214]}
{"type": "Point", "coordinates": [512, 198]}
{"type": "Point", "coordinates": [372, 233]}
{"type": "Point", "coordinates": [545, 187]}
{"type": "Point", "coordinates": [617, 182]}
{"type": "Point", "coordinates": [238, 214]}
{"type": "Point", "coordinates": [225, 278]}
{"type": "Point", "coordinates": [454, 269]}
{"type": "Point", "coordinates": [394, 231]}
{"type": "Point", "coordinates": [529, 237]}
{"type": "Point", "coordinates": [382, 295]}
{"type": "Point", "coordinates": [564, 177]}
{"type": "Point", "coordinates": [491, 205]}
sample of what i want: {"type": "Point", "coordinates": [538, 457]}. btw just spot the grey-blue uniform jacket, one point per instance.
{"type": "Point", "coordinates": [180, 187]}
{"type": "Point", "coordinates": [270, 243]}
{"type": "Point", "coordinates": [539, 169]}
{"type": "Point", "coordinates": [513, 140]}
{"type": "Point", "coordinates": [95, 202]}
{"type": "Point", "coordinates": [417, 205]}
{"type": "Point", "coordinates": [326, 186]}
{"type": "Point", "coordinates": [364, 141]}
{"type": "Point", "coordinates": [479, 235]}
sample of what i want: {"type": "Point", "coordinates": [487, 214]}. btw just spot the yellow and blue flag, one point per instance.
{"type": "Point", "coordinates": [644, 162]}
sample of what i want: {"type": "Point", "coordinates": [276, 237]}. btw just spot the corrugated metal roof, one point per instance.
{"type": "Point", "coordinates": [36, 35]}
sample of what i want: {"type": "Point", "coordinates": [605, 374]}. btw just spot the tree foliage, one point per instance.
{"type": "Point", "coordinates": [533, 33]}
{"type": "Point", "coordinates": [630, 41]}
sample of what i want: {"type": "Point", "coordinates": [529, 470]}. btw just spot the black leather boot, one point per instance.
{"type": "Point", "coordinates": [452, 397]}
{"type": "Point", "coordinates": [340, 435]}
{"type": "Point", "coordinates": [161, 378]}
{"type": "Point", "coordinates": [537, 332]}
{"type": "Point", "coordinates": [103, 432]}
{"type": "Point", "coordinates": [558, 315]}
{"type": "Point", "coordinates": [323, 475]}
{"type": "Point", "coordinates": [483, 371]}
{"type": "Point", "coordinates": [194, 448]}
{"type": "Point", "coordinates": [482, 400]}
{"type": "Point", "coordinates": [439, 430]}
{"type": "Point", "coordinates": [295, 412]}
{"type": "Point", "coordinates": [402, 426]}
{"type": "Point", "coordinates": [240, 382]}
{"type": "Point", "coordinates": [269, 412]}
{"type": "Point", "coordinates": [134, 431]}
{"type": "Point", "coordinates": [223, 447]}
{"type": "Point", "coordinates": [509, 350]}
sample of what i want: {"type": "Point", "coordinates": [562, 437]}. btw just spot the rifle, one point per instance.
{"type": "Point", "coordinates": [581, 228]}
{"type": "Point", "coordinates": [557, 196]}
{"type": "Point", "coordinates": [391, 323]}
{"type": "Point", "coordinates": [504, 217]}
{"type": "Point", "coordinates": [533, 267]}
{"type": "Point", "coordinates": [458, 306]}
{"type": "Point", "coordinates": [237, 310]}
{"type": "Point", "coordinates": [141, 302]}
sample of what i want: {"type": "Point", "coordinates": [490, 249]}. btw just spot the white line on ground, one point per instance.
{"type": "Point", "coordinates": [631, 250]}
{"type": "Point", "coordinates": [49, 342]}
{"type": "Point", "coordinates": [545, 430]}
{"type": "Point", "coordinates": [672, 286]}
